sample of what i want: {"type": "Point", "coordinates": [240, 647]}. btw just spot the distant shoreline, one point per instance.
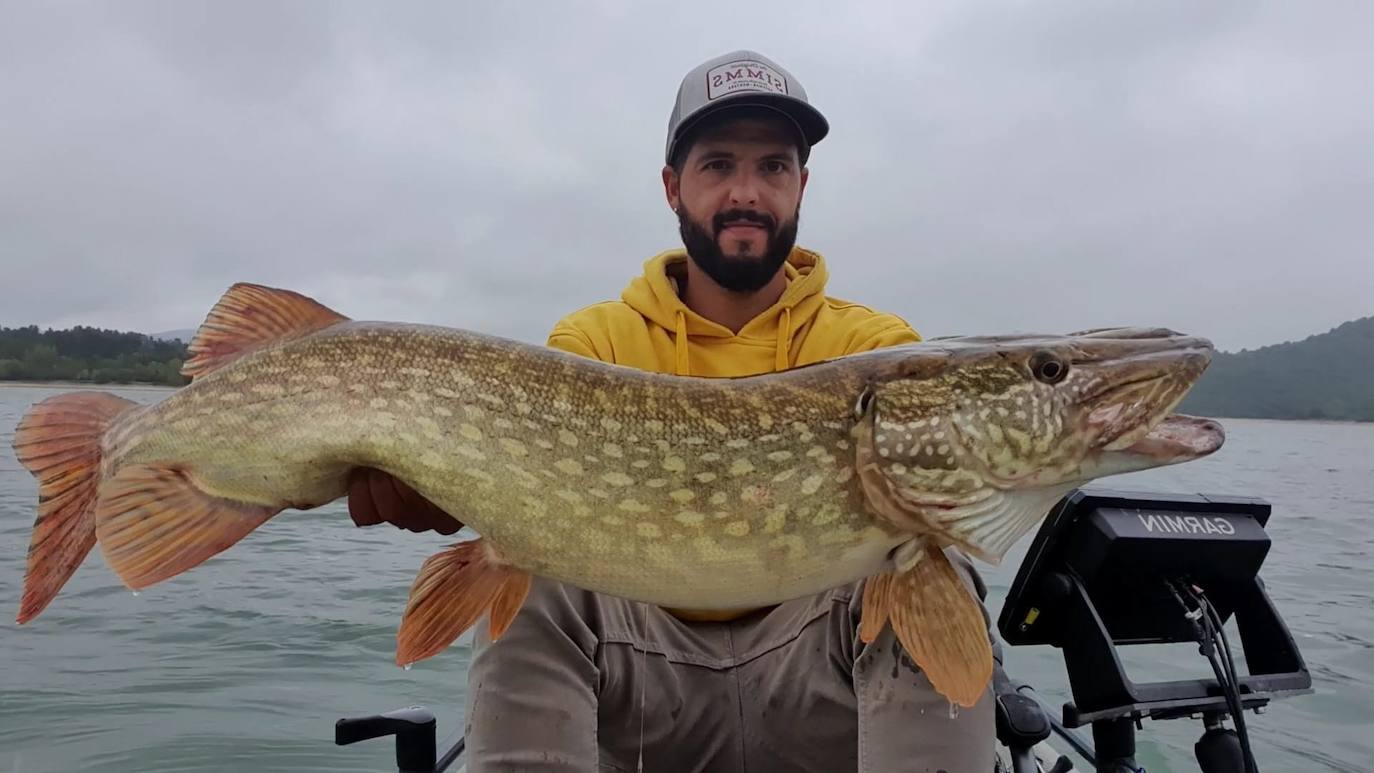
{"type": "Point", "coordinates": [1296, 421]}
{"type": "Point", "coordinates": [146, 385]}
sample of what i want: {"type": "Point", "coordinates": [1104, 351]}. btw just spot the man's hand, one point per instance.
{"type": "Point", "coordinates": [375, 497]}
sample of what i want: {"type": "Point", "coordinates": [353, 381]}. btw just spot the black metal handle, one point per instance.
{"type": "Point", "coordinates": [1021, 721]}
{"type": "Point", "coordinates": [413, 727]}
{"type": "Point", "coordinates": [1219, 751]}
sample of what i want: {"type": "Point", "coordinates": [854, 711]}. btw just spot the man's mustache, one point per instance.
{"type": "Point", "coordinates": [747, 215]}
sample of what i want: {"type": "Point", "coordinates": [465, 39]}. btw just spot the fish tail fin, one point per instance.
{"type": "Point", "coordinates": [451, 592]}
{"type": "Point", "coordinates": [59, 442]}
{"type": "Point", "coordinates": [154, 522]}
{"type": "Point", "coordinates": [942, 628]}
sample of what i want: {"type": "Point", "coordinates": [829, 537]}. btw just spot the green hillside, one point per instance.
{"type": "Point", "coordinates": [1326, 376]}
{"type": "Point", "coordinates": [88, 354]}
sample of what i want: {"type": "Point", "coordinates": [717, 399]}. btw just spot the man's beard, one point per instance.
{"type": "Point", "coordinates": [740, 273]}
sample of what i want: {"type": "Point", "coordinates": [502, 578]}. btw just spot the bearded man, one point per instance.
{"type": "Point", "coordinates": [581, 681]}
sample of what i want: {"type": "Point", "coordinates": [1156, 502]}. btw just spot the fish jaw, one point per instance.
{"type": "Point", "coordinates": [1177, 439]}
{"type": "Point", "coordinates": [1148, 389]}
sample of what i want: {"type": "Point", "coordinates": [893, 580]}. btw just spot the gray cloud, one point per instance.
{"type": "Point", "coordinates": [991, 167]}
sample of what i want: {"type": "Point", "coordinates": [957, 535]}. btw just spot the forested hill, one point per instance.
{"type": "Point", "coordinates": [89, 354]}
{"type": "Point", "coordinates": [1326, 376]}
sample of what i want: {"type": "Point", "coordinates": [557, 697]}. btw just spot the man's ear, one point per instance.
{"type": "Point", "coordinates": [672, 187]}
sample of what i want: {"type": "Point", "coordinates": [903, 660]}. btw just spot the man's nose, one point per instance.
{"type": "Point", "coordinates": [744, 189]}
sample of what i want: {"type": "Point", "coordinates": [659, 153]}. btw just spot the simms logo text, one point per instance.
{"type": "Point", "coordinates": [734, 76]}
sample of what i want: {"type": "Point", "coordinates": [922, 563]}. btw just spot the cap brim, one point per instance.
{"type": "Point", "coordinates": [809, 122]}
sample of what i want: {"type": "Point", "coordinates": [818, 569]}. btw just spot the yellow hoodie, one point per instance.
{"type": "Point", "coordinates": [650, 328]}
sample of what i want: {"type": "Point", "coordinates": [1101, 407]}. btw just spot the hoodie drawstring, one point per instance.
{"type": "Point", "coordinates": [681, 364]}
{"type": "Point", "coordinates": [784, 338]}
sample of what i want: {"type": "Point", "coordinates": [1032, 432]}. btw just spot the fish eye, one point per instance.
{"type": "Point", "coordinates": [1048, 367]}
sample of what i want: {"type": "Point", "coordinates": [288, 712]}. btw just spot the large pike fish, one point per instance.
{"type": "Point", "coordinates": [683, 492]}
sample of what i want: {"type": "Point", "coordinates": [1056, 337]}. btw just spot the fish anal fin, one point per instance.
{"type": "Point", "coordinates": [249, 316]}
{"type": "Point", "coordinates": [942, 628]}
{"type": "Point", "coordinates": [876, 606]}
{"type": "Point", "coordinates": [452, 591]}
{"type": "Point", "coordinates": [59, 442]}
{"type": "Point", "coordinates": [154, 522]}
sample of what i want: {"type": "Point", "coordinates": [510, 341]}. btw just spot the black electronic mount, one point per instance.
{"type": "Point", "coordinates": [1110, 568]}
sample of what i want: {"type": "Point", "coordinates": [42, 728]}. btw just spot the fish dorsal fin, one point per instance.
{"type": "Point", "coordinates": [248, 316]}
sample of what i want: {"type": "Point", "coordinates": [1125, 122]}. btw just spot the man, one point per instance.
{"type": "Point", "coordinates": [585, 682]}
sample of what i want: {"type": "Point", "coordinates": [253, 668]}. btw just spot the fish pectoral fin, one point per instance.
{"type": "Point", "coordinates": [877, 607]}
{"type": "Point", "coordinates": [154, 522]}
{"type": "Point", "coordinates": [941, 626]}
{"type": "Point", "coordinates": [248, 316]}
{"type": "Point", "coordinates": [453, 589]}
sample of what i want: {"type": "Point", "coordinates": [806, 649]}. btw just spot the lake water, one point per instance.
{"type": "Point", "coordinates": [246, 662]}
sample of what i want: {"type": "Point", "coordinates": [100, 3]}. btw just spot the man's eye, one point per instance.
{"type": "Point", "coordinates": [775, 167]}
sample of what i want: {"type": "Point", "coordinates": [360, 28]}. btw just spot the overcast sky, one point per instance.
{"type": "Point", "coordinates": [991, 167]}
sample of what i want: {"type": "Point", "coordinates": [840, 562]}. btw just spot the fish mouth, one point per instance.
{"type": "Point", "coordinates": [1123, 413]}
{"type": "Point", "coordinates": [1176, 439]}
{"type": "Point", "coordinates": [1179, 438]}
{"type": "Point", "coordinates": [1133, 423]}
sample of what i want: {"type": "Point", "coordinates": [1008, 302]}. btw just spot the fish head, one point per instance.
{"type": "Point", "coordinates": [963, 426]}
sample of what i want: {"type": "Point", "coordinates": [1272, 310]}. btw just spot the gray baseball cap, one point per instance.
{"type": "Point", "coordinates": [737, 79]}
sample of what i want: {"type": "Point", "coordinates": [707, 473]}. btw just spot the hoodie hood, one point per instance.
{"type": "Point", "coordinates": [654, 294]}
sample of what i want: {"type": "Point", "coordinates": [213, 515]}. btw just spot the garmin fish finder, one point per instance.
{"type": "Point", "coordinates": [1112, 568]}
